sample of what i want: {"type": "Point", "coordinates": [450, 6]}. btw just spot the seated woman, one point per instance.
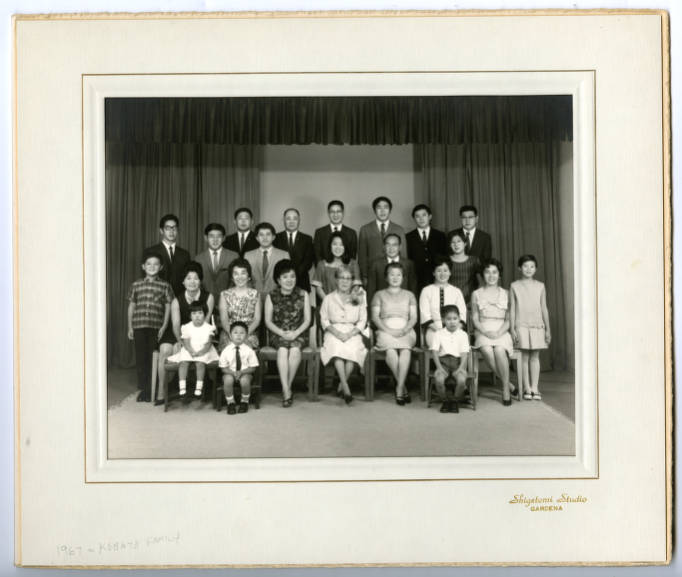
{"type": "Point", "coordinates": [180, 315]}
{"type": "Point", "coordinates": [240, 302]}
{"type": "Point", "coordinates": [287, 317]}
{"type": "Point", "coordinates": [437, 295]}
{"type": "Point", "coordinates": [394, 313]}
{"type": "Point", "coordinates": [324, 280]}
{"type": "Point", "coordinates": [490, 315]}
{"type": "Point", "coordinates": [343, 317]}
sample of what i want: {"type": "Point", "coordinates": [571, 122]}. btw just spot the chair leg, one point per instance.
{"type": "Point", "coordinates": [155, 370]}
{"type": "Point", "coordinates": [166, 382]}
{"type": "Point", "coordinates": [423, 370]}
{"type": "Point", "coordinates": [519, 378]}
{"type": "Point", "coordinates": [369, 379]}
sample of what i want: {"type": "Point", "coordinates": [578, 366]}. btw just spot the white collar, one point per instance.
{"type": "Point", "coordinates": [426, 230]}
{"type": "Point", "coordinates": [167, 245]}
{"type": "Point", "coordinates": [469, 232]}
{"type": "Point", "coordinates": [379, 223]}
{"type": "Point", "coordinates": [333, 226]}
{"type": "Point", "coordinates": [268, 250]}
{"type": "Point", "coordinates": [393, 259]}
{"type": "Point", "coordinates": [211, 250]}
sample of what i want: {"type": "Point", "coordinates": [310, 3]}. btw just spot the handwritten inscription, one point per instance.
{"type": "Point", "coordinates": [117, 546]}
{"type": "Point", "coordinates": [552, 503]}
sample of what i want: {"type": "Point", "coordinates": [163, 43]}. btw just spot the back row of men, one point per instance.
{"type": "Point", "coordinates": [263, 246]}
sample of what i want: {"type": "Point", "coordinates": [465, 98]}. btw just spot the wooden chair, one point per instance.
{"type": "Point", "coordinates": [515, 357]}
{"type": "Point", "coordinates": [376, 355]}
{"type": "Point", "coordinates": [171, 369]}
{"type": "Point", "coordinates": [310, 356]}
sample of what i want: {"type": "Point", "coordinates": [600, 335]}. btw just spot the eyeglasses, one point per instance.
{"type": "Point", "coordinates": [169, 227]}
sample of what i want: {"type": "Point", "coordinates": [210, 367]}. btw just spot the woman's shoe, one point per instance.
{"type": "Point", "coordinates": [407, 398]}
{"type": "Point", "coordinates": [348, 399]}
{"type": "Point", "coordinates": [286, 403]}
{"type": "Point", "coordinates": [506, 402]}
{"type": "Point", "coordinates": [400, 401]}
{"type": "Point", "coordinates": [537, 397]}
{"type": "Point", "coordinates": [528, 396]}
{"type": "Point", "coordinates": [512, 388]}
{"type": "Point", "coordinates": [339, 393]}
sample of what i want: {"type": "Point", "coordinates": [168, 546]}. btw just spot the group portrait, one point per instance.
{"type": "Point", "coordinates": [340, 276]}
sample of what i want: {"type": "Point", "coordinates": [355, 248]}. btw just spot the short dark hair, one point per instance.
{"type": "Point", "coordinates": [335, 203]}
{"type": "Point", "coordinates": [393, 235]}
{"type": "Point", "coordinates": [492, 262]}
{"type": "Point", "coordinates": [345, 258]}
{"type": "Point", "coordinates": [379, 199]}
{"type": "Point", "coordinates": [193, 266]}
{"type": "Point", "coordinates": [214, 226]}
{"type": "Point", "coordinates": [243, 209]}
{"type": "Point", "coordinates": [524, 258]}
{"type": "Point", "coordinates": [147, 254]}
{"type": "Point", "coordinates": [167, 217]}
{"type": "Point", "coordinates": [264, 225]}
{"type": "Point", "coordinates": [440, 260]}
{"type": "Point", "coordinates": [468, 208]}
{"type": "Point", "coordinates": [447, 309]}
{"type": "Point", "coordinates": [391, 265]}
{"type": "Point", "coordinates": [238, 263]}
{"type": "Point", "coordinates": [298, 212]}
{"type": "Point", "coordinates": [197, 306]}
{"type": "Point", "coordinates": [236, 324]}
{"type": "Point", "coordinates": [281, 267]}
{"type": "Point", "coordinates": [421, 207]}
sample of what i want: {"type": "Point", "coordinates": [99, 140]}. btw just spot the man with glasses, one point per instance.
{"type": "Point", "coordinates": [478, 242]}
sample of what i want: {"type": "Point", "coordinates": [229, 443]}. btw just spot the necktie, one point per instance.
{"type": "Point", "coordinates": [442, 297]}
{"type": "Point", "coordinates": [468, 242]}
{"type": "Point", "coordinates": [424, 236]}
{"type": "Point", "coordinates": [170, 249]}
{"type": "Point", "coordinates": [291, 243]}
{"type": "Point", "coordinates": [241, 242]}
{"type": "Point", "coordinates": [215, 260]}
{"type": "Point", "coordinates": [383, 229]}
{"type": "Point", "coordinates": [336, 229]}
{"type": "Point", "coordinates": [237, 358]}
{"type": "Point", "coordinates": [265, 263]}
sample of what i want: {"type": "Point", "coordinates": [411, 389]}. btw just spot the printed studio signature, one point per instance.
{"type": "Point", "coordinates": [537, 503]}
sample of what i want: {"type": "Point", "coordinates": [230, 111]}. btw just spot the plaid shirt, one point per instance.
{"type": "Point", "coordinates": [150, 296]}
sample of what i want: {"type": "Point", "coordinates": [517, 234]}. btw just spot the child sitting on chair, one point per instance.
{"type": "Point", "coordinates": [197, 347]}
{"type": "Point", "coordinates": [238, 363]}
{"type": "Point", "coordinates": [450, 348]}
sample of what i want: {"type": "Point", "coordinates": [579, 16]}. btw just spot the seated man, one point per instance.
{"type": "Point", "coordinates": [371, 241]}
{"type": "Point", "coordinates": [376, 278]}
{"type": "Point", "coordinates": [264, 258]}
{"type": "Point", "coordinates": [335, 211]}
{"type": "Point", "coordinates": [450, 349]}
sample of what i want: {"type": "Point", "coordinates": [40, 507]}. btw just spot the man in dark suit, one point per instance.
{"type": "Point", "coordinates": [335, 210]}
{"type": "Point", "coordinates": [299, 246]}
{"type": "Point", "coordinates": [174, 259]}
{"type": "Point", "coordinates": [423, 244]}
{"type": "Point", "coordinates": [377, 278]}
{"type": "Point", "coordinates": [244, 239]}
{"type": "Point", "coordinates": [372, 234]}
{"type": "Point", "coordinates": [478, 241]}
{"type": "Point", "coordinates": [215, 261]}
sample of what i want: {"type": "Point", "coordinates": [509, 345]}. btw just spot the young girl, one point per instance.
{"type": "Point", "coordinates": [196, 347]}
{"type": "Point", "coordinates": [529, 323]}
{"type": "Point", "coordinates": [490, 315]}
{"type": "Point", "coordinates": [287, 316]}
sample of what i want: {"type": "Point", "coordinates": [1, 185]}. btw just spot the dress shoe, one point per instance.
{"type": "Point", "coordinates": [231, 408]}
{"type": "Point", "coordinates": [140, 396]}
{"type": "Point", "coordinates": [400, 401]}
{"type": "Point", "coordinates": [158, 402]}
{"type": "Point", "coordinates": [243, 408]}
{"type": "Point", "coordinates": [348, 399]}
{"type": "Point", "coordinates": [407, 398]}
{"type": "Point", "coordinates": [445, 407]}
{"type": "Point", "coordinates": [506, 402]}
{"type": "Point", "coordinates": [454, 407]}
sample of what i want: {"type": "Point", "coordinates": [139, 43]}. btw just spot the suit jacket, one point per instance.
{"type": "Point", "coordinates": [371, 245]}
{"type": "Point", "coordinates": [172, 271]}
{"type": "Point", "coordinates": [377, 280]}
{"type": "Point", "coordinates": [302, 255]}
{"type": "Point", "coordinates": [321, 242]}
{"type": "Point", "coordinates": [422, 255]}
{"type": "Point", "coordinates": [216, 281]}
{"type": "Point", "coordinates": [231, 242]}
{"type": "Point", "coordinates": [482, 246]}
{"type": "Point", "coordinates": [264, 283]}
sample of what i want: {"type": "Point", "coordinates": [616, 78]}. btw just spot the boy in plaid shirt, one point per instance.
{"type": "Point", "coordinates": [148, 316]}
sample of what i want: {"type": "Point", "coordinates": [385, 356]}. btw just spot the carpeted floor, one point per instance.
{"type": "Point", "coordinates": [330, 428]}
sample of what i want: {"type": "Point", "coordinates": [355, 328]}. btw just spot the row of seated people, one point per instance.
{"type": "Point", "coordinates": [343, 318]}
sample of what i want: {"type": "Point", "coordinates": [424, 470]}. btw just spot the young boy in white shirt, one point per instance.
{"type": "Point", "coordinates": [450, 349]}
{"type": "Point", "coordinates": [238, 362]}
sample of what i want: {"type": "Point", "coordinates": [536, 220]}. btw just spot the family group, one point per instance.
{"type": "Point", "coordinates": [259, 287]}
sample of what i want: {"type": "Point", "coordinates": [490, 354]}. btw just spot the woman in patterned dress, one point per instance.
{"type": "Point", "coordinates": [287, 317]}
{"type": "Point", "coordinates": [240, 302]}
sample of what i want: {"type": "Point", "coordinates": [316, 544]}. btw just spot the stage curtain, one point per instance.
{"type": "Point", "coordinates": [198, 183]}
{"type": "Point", "coordinates": [524, 195]}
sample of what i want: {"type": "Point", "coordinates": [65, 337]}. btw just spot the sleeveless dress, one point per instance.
{"type": "Point", "coordinates": [394, 312]}
{"type": "Point", "coordinates": [240, 308]}
{"type": "Point", "coordinates": [491, 315]}
{"type": "Point", "coordinates": [288, 314]}
{"type": "Point", "coordinates": [531, 327]}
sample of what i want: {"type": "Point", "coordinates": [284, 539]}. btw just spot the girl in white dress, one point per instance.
{"type": "Point", "coordinates": [197, 347]}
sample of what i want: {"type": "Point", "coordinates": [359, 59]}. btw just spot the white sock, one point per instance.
{"type": "Point", "coordinates": [230, 400]}
{"type": "Point", "coordinates": [245, 398]}
{"type": "Point", "coordinates": [197, 390]}
{"type": "Point", "coordinates": [183, 387]}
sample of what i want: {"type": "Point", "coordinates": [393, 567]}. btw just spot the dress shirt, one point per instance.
{"type": "Point", "coordinates": [453, 343]}
{"type": "Point", "coordinates": [168, 247]}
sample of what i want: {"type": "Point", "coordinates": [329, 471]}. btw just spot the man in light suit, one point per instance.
{"type": "Point", "coordinates": [244, 239]}
{"type": "Point", "coordinates": [215, 261]}
{"type": "Point", "coordinates": [424, 243]}
{"type": "Point", "coordinates": [372, 234]}
{"type": "Point", "coordinates": [299, 246]}
{"type": "Point", "coordinates": [335, 210]}
{"type": "Point", "coordinates": [377, 277]}
{"type": "Point", "coordinates": [264, 258]}
{"type": "Point", "coordinates": [478, 241]}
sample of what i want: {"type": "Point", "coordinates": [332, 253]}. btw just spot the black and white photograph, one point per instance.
{"type": "Point", "coordinates": [351, 276]}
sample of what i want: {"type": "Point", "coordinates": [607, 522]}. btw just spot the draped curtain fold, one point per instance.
{"type": "Point", "coordinates": [199, 183]}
